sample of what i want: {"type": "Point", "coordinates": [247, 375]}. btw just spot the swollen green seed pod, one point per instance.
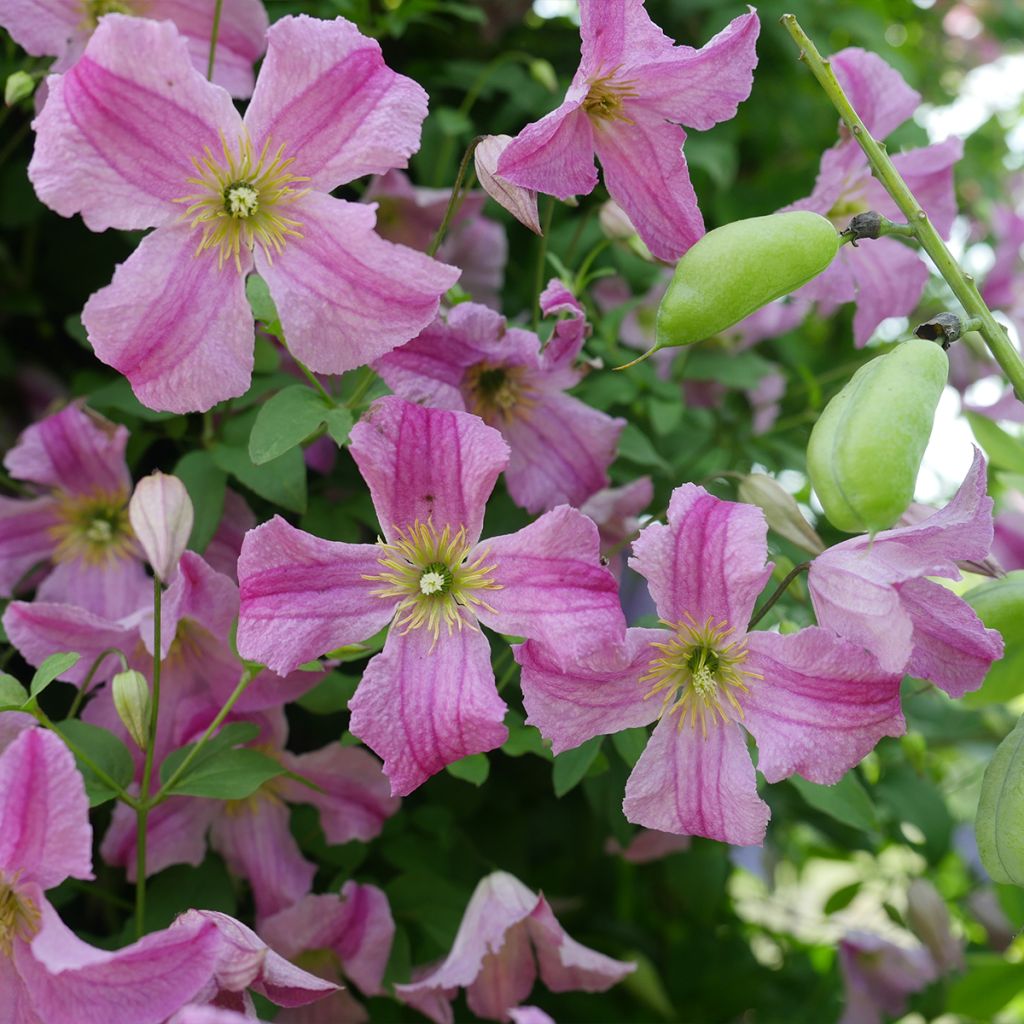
{"type": "Point", "coordinates": [738, 268]}
{"type": "Point", "coordinates": [866, 448]}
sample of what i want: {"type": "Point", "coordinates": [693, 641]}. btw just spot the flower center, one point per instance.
{"type": "Point", "coordinates": [19, 916]}
{"type": "Point", "coordinates": [93, 528]}
{"type": "Point", "coordinates": [430, 572]}
{"type": "Point", "coordinates": [604, 100]}
{"type": "Point", "coordinates": [95, 9]}
{"type": "Point", "coordinates": [241, 199]}
{"type": "Point", "coordinates": [699, 674]}
{"type": "Point", "coordinates": [496, 393]}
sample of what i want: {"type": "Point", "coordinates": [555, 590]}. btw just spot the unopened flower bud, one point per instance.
{"type": "Point", "coordinates": [617, 226]}
{"type": "Point", "coordinates": [18, 85]}
{"type": "Point", "coordinates": [133, 704]}
{"type": "Point", "coordinates": [541, 71]}
{"type": "Point", "coordinates": [520, 202]}
{"type": "Point", "coordinates": [161, 516]}
{"type": "Point", "coordinates": [928, 916]}
{"type": "Point", "coordinates": [781, 511]}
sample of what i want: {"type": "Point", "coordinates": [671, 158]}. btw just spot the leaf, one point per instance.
{"type": "Point", "coordinates": [646, 985]}
{"type": "Point", "coordinates": [1002, 449]}
{"type": "Point", "coordinates": [339, 425]}
{"type": "Point", "coordinates": [990, 983]}
{"type": "Point", "coordinates": [206, 484]}
{"type": "Point", "coordinates": [230, 775]}
{"type": "Point", "coordinates": [735, 370]}
{"type": "Point", "coordinates": [637, 447]}
{"type": "Point", "coordinates": [330, 695]}
{"type": "Point", "coordinates": [12, 693]}
{"type": "Point", "coordinates": [230, 735]}
{"type": "Point", "coordinates": [572, 766]}
{"type": "Point", "coordinates": [474, 769]}
{"type": "Point", "coordinates": [258, 294]}
{"type": "Point", "coordinates": [1000, 605]}
{"type": "Point", "coordinates": [119, 397]}
{"type": "Point", "coordinates": [55, 665]}
{"type": "Point", "coordinates": [281, 481]}
{"type": "Point", "coordinates": [847, 801]}
{"type": "Point", "coordinates": [999, 825]}
{"type": "Point", "coordinates": [629, 744]}
{"type": "Point", "coordinates": [284, 421]}
{"type": "Point", "coordinates": [106, 751]}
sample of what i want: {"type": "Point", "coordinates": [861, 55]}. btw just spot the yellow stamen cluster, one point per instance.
{"type": "Point", "coordinates": [19, 916]}
{"type": "Point", "coordinates": [93, 528]}
{"type": "Point", "coordinates": [429, 572]}
{"type": "Point", "coordinates": [698, 673]}
{"type": "Point", "coordinates": [93, 10]}
{"type": "Point", "coordinates": [495, 393]}
{"type": "Point", "coordinates": [604, 100]}
{"type": "Point", "coordinates": [239, 200]}
{"type": "Point", "coordinates": [847, 206]}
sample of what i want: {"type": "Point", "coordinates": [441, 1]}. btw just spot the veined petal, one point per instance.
{"type": "Point", "coordinates": [175, 834]}
{"type": "Point", "coordinates": [506, 977]}
{"type": "Point", "coordinates": [708, 562]}
{"type": "Point", "coordinates": [325, 93]}
{"type": "Point", "coordinates": [45, 834]}
{"type": "Point", "coordinates": [427, 465]}
{"type": "Point", "coordinates": [113, 589]}
{"type": "Point", "coordinates": [303, 596]}
{"type": "Point", "coordinates": [877, 91]}
{"type": "Point", "coordinates": [347, 297]}
{"type": "Point", "coordinates": [177, 326]}
{"type": "Point", "coordinates": [422, 705]}
{"type": "Point", "coordinates": [601, 693]}
{"type": "Point", "coordinates": [117, 135]}
{"type": "Point", "coordinates": [820, 705]}
{"type": "Point", "coordinates": [42, 28]}
{"type": "Point", "coordinates": [619, 35]}
{"type": "Point", "coordinates": [553, 586]}
{"type": "Point", "coordinates": [929, 172]}
{"type": "Point", "coordinates": [691, 784]}
{"type": "Point", "coordinates": [26, 537]}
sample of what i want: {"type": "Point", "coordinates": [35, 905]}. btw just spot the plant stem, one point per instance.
{"type": "Point", "coordinates": [214, 33]}
{"type": "Point", "coordinates": [963, 285]}
{"type": "Point", "coordinates": [453, 201]}
{"type": "Point", "coordinates": [76, 704]}
{"type": "Point", "coordinates": [314, 380]}
{"type": "Point", "coordinates": [542, 258]}
{"type": "Point", "coordinates": [361, 388]}
{"type": "Point", "coordinates": [779, 591]}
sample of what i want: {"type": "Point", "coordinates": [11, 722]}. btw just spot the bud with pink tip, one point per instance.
{"type": "Point", "coordinates": [161, 516]}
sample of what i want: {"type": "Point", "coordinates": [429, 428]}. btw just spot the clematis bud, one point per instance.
{"type": "Point", "coordinates": [929, 918]}
{"type": "Point", "coordinates": [133, 703]}
{"type": "Point", "coordinates": [161, 516]}
{"type": "Point", "coordinates": [617, 226]}
{"type": "Point", "coordinates": [18, 85]}
{"type": "Point", "coordinates": [542, 72]}
{"type": "Point", "coordinates": [781, 511]}
{"type": "Point", "coordinates": [520, 202]}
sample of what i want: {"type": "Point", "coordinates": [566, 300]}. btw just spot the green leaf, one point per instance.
{"type": "Point", "coordinates": [284, 421]}
{"type": "Point", "coordinates": [572, 766]}
{"type": "Point", "coordinates": [524, 739]}
{"type": "Point", "coordinates": [1000, 605]}
{"type": "Point", "coordinates": [281, 481]}
{"type": "Point", "coordinates": [230, 735]}
{"type": "Point", "coordinates": [339, 424]}
{"type": "Point", "coordinates": [206, 484]}
{"type": "Point", "coordinates": [646, 985]}
{"type": "Point", "coordinates": [55, 665]}
{"type": "Point", "coordinates": [735, 370]}
{"type": "Point", "coordinates": [847, 801]}
{"type": "Point", "coordinates": [119, 397]}
{"type": "Point", "coordinates": [474, 769]}
{"type": "Point", "coordinates": [629, 744]}
{"type": "Point", "coordinates": [989, 984]}
{"type": "Point", "coordinates": [330, 695]}
{"type": "Point", "coordinates": [106, 751]}
{"type": "Point", "coordinates": [999, 825]}
{"type": "Point", "coordinates": [12, 693]}
{"type": "Point", "coordinates": [258, 294]}
{"type": "Point", "coordinates": [230, 775]}
{"type": "Point", "coordinates": [637, 447]}
{"type": "Point", "coordinates": [1002, 449]}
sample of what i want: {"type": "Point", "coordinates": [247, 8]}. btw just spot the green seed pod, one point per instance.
{"type": "Point", "coordinates": [1000, 605]}
{"type": "Point", "coordinates": [738, 268]}
{"type": "Point", "coordinates": [999, 823]}
{"type": "Point", "coordinates": [866, 448]}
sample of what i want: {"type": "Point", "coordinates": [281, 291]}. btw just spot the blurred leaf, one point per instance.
{"type": "Point", "coordinates": [206, 484]}
{"type": "Point", "coordinates": [571, 766]}
{"type": "Point", "coordinates": [281, 481]}
{"type": "Point", "coordinates": [637, 447]}
{"type": "Point", "coordinates": [106, 751]}
{"type": "Point", "coordinates": [847, 801]}
{"type": "Point", "coordinates": [630, 744]}
{"type": "Point", "coordinates": [1003, 451]}
{"type": "Point", "coordinates": [475, 768]}
{"type": "Point", "coordinates": [330, 695]}
{"type": "Point", "coordinates": [12, 693]}
{"type": "Point", "coordinates": [999, 825]}
{"type": "Point", "coordinates": [55, 665]}
{"type": "Point", "coordinates": [989, 984]}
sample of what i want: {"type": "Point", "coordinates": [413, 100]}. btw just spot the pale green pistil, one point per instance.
{"type": "Point", "coordinates": [241, 199]}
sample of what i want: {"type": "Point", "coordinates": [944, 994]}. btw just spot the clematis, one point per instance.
{"type": "Point", "coordinates": [62, 30]}
{"type": "Point", "coordinates": [1008, 539]}
{"type": "Point", "coordinates": [630, 94]}
{"type": "Point", "coordinates": [74, 460]}
{"type": "Point", "coordinates": [429, 697]}
{"type": "Point", "coordinates": [814, 703]}
{"type": "Point", "coordinates": [873, 591]}
{"type": "Point", "coordinates": [884, 277]}
{"type": "Point", "coordinates": [508, 935]}
{"type": "Point", "coordinates": [47, 974]}
{"type": "Point", "coordinates": [472, 360]}
{"type": "Point", "coordinates": [227, 196]}
{"type": "Point", "coordinates": [879, 976]}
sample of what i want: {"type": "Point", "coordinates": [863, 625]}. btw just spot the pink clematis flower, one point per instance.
{"type": "Point", "coordinates": [47, 974]}
{"type": "Point", "coordinates": [815, 703]}
{"type": "Point", "coordinates": [884, 277]}
{"type": "Point", "coordinates": [560, 447]}
{"type": "Point", "coordinates": [429, 698]}
{"type": "Point", "coordinates": [879, 976]}
{"type": "Point", "coordinates": [62, 30]}
{"type": "Point", "coordinates": [874, 592]}
{"type": "Point", "coordinates": [227, 196]}
{"type": "Point", "coordinates": [507, 935]}
{"type": "Point", "coordinates": [632, 90]}
{"type": "Point", "coordinates": [75, 460]}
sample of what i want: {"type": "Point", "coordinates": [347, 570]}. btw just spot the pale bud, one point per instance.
{"type": "Point", "coordinates": [781, 511]}
{"type": "Point", "coordinates": [928, 915]}
{"type": "Point", "coordinates": [133, 704]}
{"type": "Point", "coordinates": [617, 227]}
{"type": "Point", "coordinates": [161, 516]}
{"type": "Point", "coordinates": [543, 72]}
{"type": "Point", "coordinates": [19, 84]}
{"type": "Point", "coordinates": [520, 202]}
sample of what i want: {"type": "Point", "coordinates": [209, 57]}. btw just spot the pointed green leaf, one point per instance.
{"type": "Point", "coordinates": [12, 693]}
{"type": "Point", "coordinates": [572, 766]}
{"type": "Point", "coordinates": [281, 481]}
{"type": "Point", "coordinates": [55, 665]}
{"type": "Point", "coordinates": [847, 801]}
{"type": "Point", "coordinates": [106, 751]}
{"type": "Point", "coordinates": [285, 421]}
{"type": "Point", "coordinates": [474, 769]}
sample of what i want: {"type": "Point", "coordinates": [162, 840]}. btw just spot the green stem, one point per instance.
{"type": "Point", "coordinates": [963, 285]}
{"type": "Point", "coordinates": [361, 388]}
{"type": "Point", "coordinates": [779, 591]}
{"type": "Point", "coordinates": [214, 33]}
{"type": "Point", "coordinates": [83, 690]}
{"type": "Point", "coordinates": [453, 201]}
{"type": "Point", "coordinates": [542, 259]}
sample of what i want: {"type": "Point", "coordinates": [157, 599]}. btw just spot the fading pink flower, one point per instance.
{"type": "Point", "coordinates": [429, 697]}
{"type": "Point", "coordinates": [62, 29]}
{"type": "Point", "coordinates": [78, 524]}
{"type": "Point", "coordinates": [632, 90]}
{"type": "Point", "coordinates": [227, 196]}
{"type": "Point", "coordinates": [520, 202]}
{"type": "Point", "coordinates": [879, 976]}
{"type": "Point", "coordinates": [648, 845]}
{"type": "Point", "coordinates": [884, 277]}
{"type": "Point", "coordinates": [814, 703]}
{"type": "Point", "coordinates": [508, 935]}
{"type": "Point", "coordinates": [473, 361]}
{"type": "Point", "coordinates": [874, 592]}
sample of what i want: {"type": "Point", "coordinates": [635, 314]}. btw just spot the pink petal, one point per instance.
{"type": "Point", "coordinates": [553, 587]}
{"type": "Point", "coordinates": [691, 784]}
{"type": "Point", "coordinates": [613, 35]}
{"type": "Point", "coordinates": [429, 370]}
{"type": "Point", "coordinates": [821, 705]}
{"type": "Point", "coordinates": [877, 91]}
{"type": "Point", "coordinates": [553, 155]}
{"type": "Point", "coordinates": [225, 545]}
{"type": "Point", "coordinates": [175, 834]}
{"type": "Point", "coordinates": [122, 163]}
{"type": "Point", "coordinates": [890, 280]}
{"type": "Point", "coordinates": [175, 325]}
{"type": "Point", "coordinates": [25, 537]}
{"type": "Point", "coordinates": [505, 978]}
{"type": "Point", "coordinates": [75, 451]}
{"type": "Point", "coordinates": [45, 834]}
{"type": "Point", "coordinates": [113, 589]}
{"type": "Point", "coordinates": [18, 1006]}
{"type": "Point", "coordinates": [427, 465]}
{"type": "Point", "coordinates": [355, 800]}
{"type": "Point", "coordinates": [196, 1014]}
{"type": "Point", "coordinates": [520, 202]}
{"type": "Point", "coordinates": [302, 596]}
{"type": "Point", "coordinates": [42, 28]}
{"type": "Point", "coordinates": [347, 297]}
{"type": "Point", "coordinates": [598, 694]}
{"type": "Point", "coordinates": [929, 173]}
{"type": "Point", "coordinates": [615, 510]}
{"type": "Point", "coordinates": [529, 1015]}
{"type": "Point", "coordinates": [646, 174]}
{"type": "Point", "coordinates": [203, 597]}
{"type": "Point", "coordinates": [325, 93]}
{"type": "Point", "coordinates": [12, 725]}
{"type": "Point", "coordinates": [421, 706]}
{"type": "Point", "coordinates": [708, 562]}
